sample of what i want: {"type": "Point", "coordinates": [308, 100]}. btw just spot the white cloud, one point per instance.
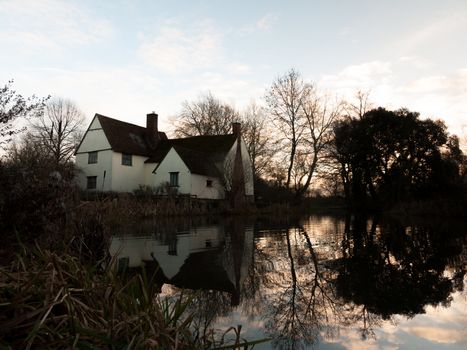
{"type": "Point", "coordinates": [400, 84]}
{"type": "Point", "coordinates": [375, 76]}
{"type": "Point", "coordinates": [440, 30]}
{"type": "Point", "coordinates": [175, 50]}
{"type": "Point", "coordinates": [265, 23]}
{"type": "Point", "coordinates": [50, 24]}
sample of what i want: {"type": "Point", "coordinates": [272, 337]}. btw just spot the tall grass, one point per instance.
{"type": "Point", "coordinates": [55, 300]}
{"type": "Point", "coordinates": [51, 300]}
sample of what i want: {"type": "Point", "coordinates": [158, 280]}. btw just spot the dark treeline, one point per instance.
{"type": "Point", "coordinates": [387, 157]}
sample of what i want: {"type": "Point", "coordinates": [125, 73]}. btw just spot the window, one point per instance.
{"type": "Point", "coordinates": [208, 183]}
{"type": "Point", "coordinates": [92, 157]}
{"type": "Point", "coordinates": [92, 182]}
{"type": "Point", "coordinates": [173, 180]}
{"type": "Point", "coordinates": [127, 159]}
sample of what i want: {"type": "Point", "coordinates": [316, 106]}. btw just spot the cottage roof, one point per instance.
{"type": "Point", "coordinates": [199, 153]}
{"type": "Point", "coordinates": [128, 138]}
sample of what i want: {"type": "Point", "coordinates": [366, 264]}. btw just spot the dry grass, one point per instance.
{"type": "Point", "coordinates": [55, 301]}
{"type": "Point", "coordinates": [51, 300]}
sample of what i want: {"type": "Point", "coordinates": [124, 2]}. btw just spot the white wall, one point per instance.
{"type": "Point", "coordinates": [127, 178]}
{"type": "Point", "coordinates": [94, 138]}
{"type": "Point", "coordinates": [149, 177]}
{"type": "Point", "coordinates": [138, 249]}
{"type": "Point", "coordinates": [104, 164]}
{"type": "Point", "coordinates": [198, 187]}
{"type": "Point", "coordinates": [173, 163]}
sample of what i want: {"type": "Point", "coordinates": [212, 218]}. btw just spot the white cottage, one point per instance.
{"type": "Point", "coordinates": [118, 156]}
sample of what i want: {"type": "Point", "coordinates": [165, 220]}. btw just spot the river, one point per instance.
{"type": "Point", "coordinates": [314, 282]}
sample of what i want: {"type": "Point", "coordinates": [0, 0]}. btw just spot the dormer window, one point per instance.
{"type": "Point", "coordinates": [127, 159]}
{"type": "Point", "coordinates": [92, 157]}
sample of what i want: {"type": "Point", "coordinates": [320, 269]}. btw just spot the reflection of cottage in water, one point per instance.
{"type": "Point", "coordinates": [205, 257]}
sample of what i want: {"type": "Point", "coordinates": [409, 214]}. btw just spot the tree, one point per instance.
{"type": "Point", "coordinates": [14, 106]}
{"type": "Point", "coordinates": [360, 104]}
{"type": "Point", "coordinates": [206, 116]}
{"type": "Point", "coordinates": [285, 99]}
{"type": "Point", "coordinates": [320, 114]}
{"type": "Point", "coordinates": [258, 138]}
{"type": "Point", "coordinates": [59, 130]}
{"type": "Point", "coordinates": [387, 156]}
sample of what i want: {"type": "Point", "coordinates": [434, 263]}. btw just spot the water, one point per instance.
{"type": "Point", "coordinates": [321, 282]}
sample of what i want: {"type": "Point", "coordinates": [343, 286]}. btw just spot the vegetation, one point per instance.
{"type": "Point", "coordinates": [388, 157]}
{"type": "Point", "coordinates": [58, 287]}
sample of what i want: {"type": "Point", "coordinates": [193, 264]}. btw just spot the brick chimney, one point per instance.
{"type": "Point", "coordinates": [237, 129]}
{"type": "Point", "coordinates": [151, 123]}
{"type": "Point", "coordinates": [152, 131]}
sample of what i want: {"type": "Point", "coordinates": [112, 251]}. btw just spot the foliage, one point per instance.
{"type": "Point", "coordinates": [388, 156]}
{"type": "Point", "coordinates": [14, 106]}
{"type": "Point", "coordinates": [53, 300]}
{"type": "Point", "coordinates": [34, 196]}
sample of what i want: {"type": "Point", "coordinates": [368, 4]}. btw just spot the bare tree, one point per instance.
{"type": "Point", "coordinates": [320, 114]}
{"type": "Point", "coordinates": [360, 104]}
{"type": "Point", "coordinates": [59, 129]}
{"type": "Point", "coordinates": [206, 116]}
{"type": "Point", "coordinates": [285, 99]}
{"type": "Point", "coordinates": [258, 138]}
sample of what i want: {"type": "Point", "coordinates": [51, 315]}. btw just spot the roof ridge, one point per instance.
{"type": "Point", "coordinates": [120, 121]}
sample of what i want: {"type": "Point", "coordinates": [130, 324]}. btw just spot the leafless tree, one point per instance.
{"type": "Point", "coordinates": [206, 116]}
{"type": "Point", "coordinates": [258, 138]}
{"type": "Point", "coordinates": [359, 105]}
{"type": "Point", "coordinates": [320, 114]}
{"type": "Point", "coordinates": [59, 129]}
{"type": "Point", "coordinates": [285, 99]}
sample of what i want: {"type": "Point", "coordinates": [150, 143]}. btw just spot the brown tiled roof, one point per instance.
{"type": "Point", "coordinates": [128, 138]}
{"type": "Point", "coordinates": [199, 153]}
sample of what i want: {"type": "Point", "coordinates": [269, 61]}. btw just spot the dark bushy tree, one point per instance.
{"type": "Point", "coordinates": [389, 156]}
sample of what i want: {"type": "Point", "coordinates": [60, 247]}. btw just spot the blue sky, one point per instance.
{"type": "Point", "coordinates": [126, 58]}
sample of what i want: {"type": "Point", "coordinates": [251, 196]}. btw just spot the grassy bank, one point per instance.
{"type": "Point", "coordinates": [56, 300]}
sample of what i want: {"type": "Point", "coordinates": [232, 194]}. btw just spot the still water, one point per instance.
{"type": "Point", "coordinates": [318, 282]}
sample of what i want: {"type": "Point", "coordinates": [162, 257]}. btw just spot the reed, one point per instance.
{"type": "Point", "coordinates": [56, 300]}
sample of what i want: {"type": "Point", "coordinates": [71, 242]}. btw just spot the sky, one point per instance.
{"type": "Point", "coordinates": [125, 59]}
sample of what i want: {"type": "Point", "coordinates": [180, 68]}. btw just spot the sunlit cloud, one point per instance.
{"type": "Point", "coordinates": [405, 83]}
{"type": "Point", "coordinates": [174, 49]}
{"type": "Point", "coordinates": [438, 335]}
{"type": "Point", "coordinates": [28, 26]}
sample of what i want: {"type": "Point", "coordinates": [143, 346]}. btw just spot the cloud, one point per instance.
{"type": "Point", "coordinates": [50, 24]}
{"type": "Point", "coordinates": [438, 335]}
{"type": "Point", "coordinates": [405, 83]}
{"type": "Point", "coordinates": [265, 23]}
{"type": "Point", "coordinates": [439, 30]}
{"type": "Point", "coordinates": [176, 50]}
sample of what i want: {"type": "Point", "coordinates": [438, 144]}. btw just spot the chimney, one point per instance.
{"type": "Point", "coordinates": [152, 130]}
{"type": "Point", "coordinates": [237, 129]}
{"type": "Point", "coordinates": [151, 123]}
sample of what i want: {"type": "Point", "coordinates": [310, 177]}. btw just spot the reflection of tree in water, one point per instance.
{"type": "Point", "coordinates": [303, 288]}
{"type": "Point", "coordinates": [301, 292]}
{"type": "Point", "coordinates": [299, 302]}
{"type": "Point", "coordinates": [395, 269]}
